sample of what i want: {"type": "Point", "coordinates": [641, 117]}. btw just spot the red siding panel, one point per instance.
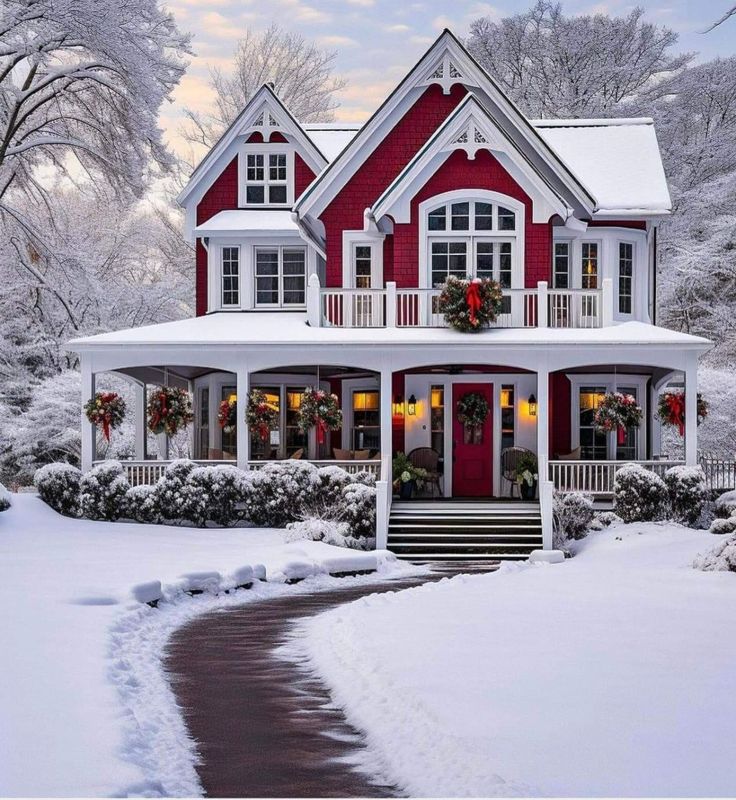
{"type": "Point", "coordinates": [303, 175]}
{"type": "Point", "coordinates": [459, 172]}
{"type": "Point", "coordinates": [381, 167]}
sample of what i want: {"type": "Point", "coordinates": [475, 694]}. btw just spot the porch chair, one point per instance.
{"type": "Point", "coordinates": [428, 458]}
{"type": "Point", "coordinates": [509, 461]}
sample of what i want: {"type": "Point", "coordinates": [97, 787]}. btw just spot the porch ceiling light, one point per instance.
{"type": "Point", "coordinates": [412, 405]}
{"type": "Point", "coordinates": [532, 405]}
{"type": "Point", "coordinates": [398, 408]}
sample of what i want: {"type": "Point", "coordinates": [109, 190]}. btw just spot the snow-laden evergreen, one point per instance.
{"type": "Point", "coordinates": [640, 495]}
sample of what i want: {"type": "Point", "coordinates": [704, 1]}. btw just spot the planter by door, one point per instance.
{"type": "Point", "coordinates": [406, 489]}
{"type": "Point", "coordinates": [472, 455]}
{"type": "Point", "coordinates": [528, 492]}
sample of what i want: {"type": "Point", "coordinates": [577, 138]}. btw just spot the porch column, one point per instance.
{"type": "Point", "coordinates": [242, 435]}
{"type": "Point", "coordinates": [139, 394]}
{"type": "Point", "coordinates": [89, 432]}
{"type": "Point", "coordinates": [691, 413]}
{"type": "Point", "coordinates": [546, 489]}
{"type": "Point", "coordinates": [383, 485]}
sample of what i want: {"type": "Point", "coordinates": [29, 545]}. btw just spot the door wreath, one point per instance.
{"type": "Point", "coordinates": [105, 410]}
{"type": "Point", "coordinates": [618, 412]}
{"type": "Point", "coordinates": [472, 412]}
{"type": "Point", "coordinates": [260, 415]}
{"type": "Point", "coordinates": [671, 409]}
{"type": "Point", "coordinates": [169, 409]}
{"type": "Point", "coordinates": [469, 305]}
{"type": "Point", "coordinates": [319, 409]}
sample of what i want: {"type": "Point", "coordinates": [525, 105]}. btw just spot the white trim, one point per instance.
{"type": "Point", "coordinates": [238, 276]}
{"type": "Point", "coordinates": [372, 239]}
{"type": "Point", "coordinates": [518, 235]}
{"type": "Point", "coordinates": [265, 149]}
{"type": "Point", "coordinates": [611, 382]}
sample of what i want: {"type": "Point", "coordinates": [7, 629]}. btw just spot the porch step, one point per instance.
{"type": "Point", "coordinates": [460, 531]}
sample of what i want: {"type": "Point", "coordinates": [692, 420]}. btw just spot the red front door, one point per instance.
{"type": "Point", "coordinates": [472, 449]}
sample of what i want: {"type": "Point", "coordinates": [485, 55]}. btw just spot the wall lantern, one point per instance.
{"type": "Point", "coordinates": [532, 405]}
{"type": "Point", "coordinates": [398, 409]}
{"type": "Point", "coordinates": [412, 405]}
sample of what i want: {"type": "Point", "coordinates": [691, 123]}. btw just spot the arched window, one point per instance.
{"type": "Point", "coordinates": [472, 235]}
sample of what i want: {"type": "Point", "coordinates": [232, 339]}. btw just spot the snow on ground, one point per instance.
{"type": "Point", "coordinates": [608, 675]}
{"type": "Point", "coordinates": [85, 709]}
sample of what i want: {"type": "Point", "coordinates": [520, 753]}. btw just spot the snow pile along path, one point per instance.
{"type": "Point", "coordinates": [85, 709]}
{"type": "Point", "coordinates": [608, 675]}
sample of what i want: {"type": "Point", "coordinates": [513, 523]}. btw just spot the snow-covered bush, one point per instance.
{"type": "Point", "coordinates": [4, 498]}
{"type": "Point", "coordinates": [687, 493]}
{"type": "Point", "coordinates": [102, 491]}
{"type": "Point", "coordinates": [58, 487]}
{"type": "Point", "coordinates": [639, 495]}
{"type": "Point", "coordinates": [332, 482]}
{"type": "Point", "coordinates": [328, 531]}
{"type": "Point", "coordinates": [140, 504]}
{"type": "Point", "coordinates": [214, 493]}
{"type": "Point", "coordinates": [358, 509]}
{"type": "Point", "coordinates": [722, 558]}
{"type": "Point", "coordinates": [572, 513]}
{"type": "Point", "coordinates": [281, 492]}
{"type": "Point", "coordinates": [726, 504]}
{"type": "Point", "coordinates": [170, 495]}
{"type": "Point", "coordinates": [720, 525]}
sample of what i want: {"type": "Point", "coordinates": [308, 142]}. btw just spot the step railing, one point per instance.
{"type": "Point", "coordinates": [596, 477]}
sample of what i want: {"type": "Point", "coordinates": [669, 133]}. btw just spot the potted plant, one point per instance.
{"type": "Point", "coordinates": [527, 475]}
{"type": "Point", "coordinates": [407, 477]}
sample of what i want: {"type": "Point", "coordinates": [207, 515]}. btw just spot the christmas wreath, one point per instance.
{"type": "Point", "coordinates": [470, 305]}
{"type": "Point", "coordinates": [106, 410]}
{"type": "Point", "coordinates": [169, 409]}
{"type": "Point", "coordinates": [617, 412]}
{"type": "Point", "coordinates": [472, 410]}
{"type": "Point", "coordinates": [321, 409]}
{"type": "Point", "coordinates": [227, 415]}
{"type": "Point", "coordinates": [671, 409]}
{"type": "Point", "coordinates": [261, 415]}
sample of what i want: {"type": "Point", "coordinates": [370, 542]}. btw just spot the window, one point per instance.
{"type": "Point", "coordinates": [448, 258]}
{"type": "Point", "coordinates": [593, 443]}
{"type": "Point", "coordinates": [628, 450]}
{"type": "Point", "coordinates": [471, 216]}
{"type": "Point", "coordinates": [267, 448]}
{"type": "Point", "coordinates": [366, 433]}
{"type": "Point", "coordinates": [296, 439]}
{"type": "Point", "coordinates": [204, 422]}
{"type": "Point", "coordinates": [625, 277]}
{"type": "Point", "coordinates": [437, 418]}
{"type": "Point", "coordinates": [230, 276]}
{"type": "Point", "coordinates": [507, 417]}
{"type": "Point", "coordinates": [229, 436]}
{"type": "Point", "coordinates": [561, 265]}
{"type": "Point", "coordinates": [590, 265]}
{"type": "Point", "coordinates": [266, 178]}
{"type": "Point", "coordinates": [362, 264]}
{"type": "Point", "coordinates": [281, 276]}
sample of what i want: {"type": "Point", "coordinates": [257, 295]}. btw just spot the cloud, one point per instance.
{"type": "Point", "coordinates": [364, 3]}
{"type": "Point", "coordinates": [337, 41]}
{"type": "Point", "coordinates": [300, 12]}
{"type": "Point", "coordinates": [423, 40]}
{"type": "Point", "coordinates": [398, 28]}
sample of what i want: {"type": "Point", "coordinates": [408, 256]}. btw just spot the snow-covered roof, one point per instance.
{"type": "Point", "coordinates": [331, 137]}
{"type": "Point", "coordinates": [617, 160]}
{"type": "Point", "coordinates": [290, 328]}
{"type": "Point", "coordinates": [254, 222]}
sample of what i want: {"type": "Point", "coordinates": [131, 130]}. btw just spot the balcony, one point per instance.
{"type": "Point", "coordinates": [539, 307]}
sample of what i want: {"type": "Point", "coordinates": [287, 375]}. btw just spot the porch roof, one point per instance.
{"type": "Point", "coordinates": [250, 222]}
{"type": "Point", "coordinates": [257, 328]}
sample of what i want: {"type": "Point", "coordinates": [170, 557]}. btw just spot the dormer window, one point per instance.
{"type": "Point", "coordinates": [266, 179]}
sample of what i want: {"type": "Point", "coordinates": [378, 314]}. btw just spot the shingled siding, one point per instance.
{"type": "Point", "coordinates": [460, 172]}
{"type": "Point", "coordinates": [380, 168]}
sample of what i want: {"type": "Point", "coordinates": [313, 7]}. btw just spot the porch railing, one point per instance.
{"type": "Point", "coordinates": [351, 466]}
{"type": "Point", "coordinates": [538, 307]}
{"type": "Point", "coordinates": [596, 477]}
{"type": "Point", "coordinates": [720, 473]}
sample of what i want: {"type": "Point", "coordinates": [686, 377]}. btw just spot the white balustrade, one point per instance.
{"type": "Point", "coordinates": [575, 308]}
{"type": "Point", "coordinates": [353, 308]}
{"type": "Point", "coordinates": [352, 466]}
{"type": "Point", "coordinates": [596, 477]}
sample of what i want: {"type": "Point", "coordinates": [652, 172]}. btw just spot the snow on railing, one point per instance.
{"type": "Point", "coordinates": [596, 477]}
{"type": "Point", "coordinates": [352, 466]}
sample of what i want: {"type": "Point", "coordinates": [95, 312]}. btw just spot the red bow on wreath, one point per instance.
{"type": "Point", "coordinates": [473, 299]}
{"type": "Point", "coordinates": [676, 407]}
{"type": "Point", "coordinates": [160, 412]}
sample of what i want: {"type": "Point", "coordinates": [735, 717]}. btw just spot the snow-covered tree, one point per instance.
{"type": "Point", "coordinates": [300, 72]}
{"type": "Point", "coordinates": [81, 87]}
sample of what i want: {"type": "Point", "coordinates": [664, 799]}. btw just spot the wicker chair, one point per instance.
{"type": "Point", "coordinates": [509, 461]}
{"type": "Point", "coordinates": [428, 458]}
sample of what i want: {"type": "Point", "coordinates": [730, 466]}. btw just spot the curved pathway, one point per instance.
{"type": "Point", "coordinates": [263, 728]}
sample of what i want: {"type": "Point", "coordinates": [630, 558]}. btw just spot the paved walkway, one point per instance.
{"type": "Point", "coordinates": [264, 729]}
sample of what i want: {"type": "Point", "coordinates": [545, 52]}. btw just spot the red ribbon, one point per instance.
{"type": "Point", "coordinates": [106, 426]}
{"type": "Point", "coordinates": [321, 428]}
{"type": "Point", "coordinates": [676, 408]}
{"type": "Point", "coordinates": [160, 412]}
{"type": "Point", "coordinates": [473, 299]}
{"type": "Point", "coordinates": [621, 434]}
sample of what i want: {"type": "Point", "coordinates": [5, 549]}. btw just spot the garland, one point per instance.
{"type": "Point", "coordinates": [617, 412]}
{"type": "Point", "coordinates": [105, 410]}
{"type": "Point", "coordinates": [321, 409]}
{"type": "Point", "coordinates": [169, 409]}
{"type": "Point", "coordinates": [472, 410]}
{"type": "Point", "coordinates": [260, 415]}
{"type": "Point", "coordinates": [671, 409]}
{"type": "Point", "coordinates": [227, 415]}
{"type": "Point", "coordinates": [470, 305]}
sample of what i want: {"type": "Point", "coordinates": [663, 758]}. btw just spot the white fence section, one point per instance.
{"type": "Point", "coordinates": [354, 308]}
{"type": "Point", "coordinates": [720, 473]}
{"type": "Point", "coordinates": [372, 466]}
{"type": "Point", "coordinates": [596, 477]}
{"type": "Point", "coordinates": [575, 308]}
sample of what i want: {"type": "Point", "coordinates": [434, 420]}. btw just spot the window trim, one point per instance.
{"type": "Point", "coordinates": [265, 149]}
{"type": "Point", "coordinates": [280, 275]}
{"type": "Point", "coordinates": [353, 239]}
{"type": "Point", "coordinates": [632, 278]}
{"type": "Point", "coordinates": [238, 276]}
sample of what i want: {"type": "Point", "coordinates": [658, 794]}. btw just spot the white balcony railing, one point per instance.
{"type": "Point", "coordinates": [391, 307]}
{"type": "Point", "coordinates": [596, 477]}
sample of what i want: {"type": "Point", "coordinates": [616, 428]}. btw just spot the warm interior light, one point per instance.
{"type": "Point", "coordinates": [506, 398]}
{"type": "Point", "coordinates": [365, 401]}
{"type": "Point", "coordinates": [294, 400]}
{"type": "Point", "coordinates": [438, 400]}
{"type": "Point", "coordinates": [232, 399]}
{"type": "Point", "coordinates": [532, 405]}
{"type": "Point", "coordinates": [398, 408]}
{"type": "Point", "coordinates": [412, 405]}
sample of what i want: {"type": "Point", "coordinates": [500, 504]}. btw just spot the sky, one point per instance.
{"type": "Point", "coordinates": [378, 41]}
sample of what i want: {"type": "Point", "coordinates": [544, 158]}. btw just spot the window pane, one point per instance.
{"type": "Point", "coordinates": [363, 267]}
{"type": "Point", "coordinates": [590, 265]}
{"type": "Point", "coordinates": [506, 219]}
{"type": "Point", "coordinates": [593, 443]}
{"type": "Point", "coordinates": [440, 252]}
{"type": "Point", "coordinates": [628, 450]}
{"type": "Point", "coordinates": [437, 418]}
{"type": "Point", "coordinates": [254, 194]}
{"type": "Point", "coordinates": [460, 216]}
{"type": "Point", "coordinates": [484, 260]}
{"type": "Point", "coordinates": [295, 263]}
{"type": "Point", "coordinates": [504, 266]}
{"type": "Point", "coordinates": [438, 219]}
{"type": "Point", "coordinates": [267, 262]}
{"type": "Point", "coordinates": [366, 421]}
{"type": "Point", "coordinates": [254, 171]}
{"type": "Point", "coordinates": [562, 265]}
{"type": "Point", "coordinates": [267, 291]}
{"type": "Point", "coordinates": [483, 216]}
{"type": "Point", "coordinates": [277, 194]}
{"type": "Point", "coordinates": [625, 277]}
{"type": "Point", "coordinates": [277, 167]}
{"type": "Point", "coordinates": [230, 273]}
{"type": "Point", "coordinates": [458, 259]}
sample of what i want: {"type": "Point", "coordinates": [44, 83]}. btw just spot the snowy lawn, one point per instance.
{"type": "Point", "coordinates": [611, 674]}
{"type": "Point", "coordinates": [84, 706]}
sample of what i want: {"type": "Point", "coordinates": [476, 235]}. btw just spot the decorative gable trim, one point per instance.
{"type": "Point", "coordinates": [446, 72]}
{"type": "Point", "coordinates": [469, 128]}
